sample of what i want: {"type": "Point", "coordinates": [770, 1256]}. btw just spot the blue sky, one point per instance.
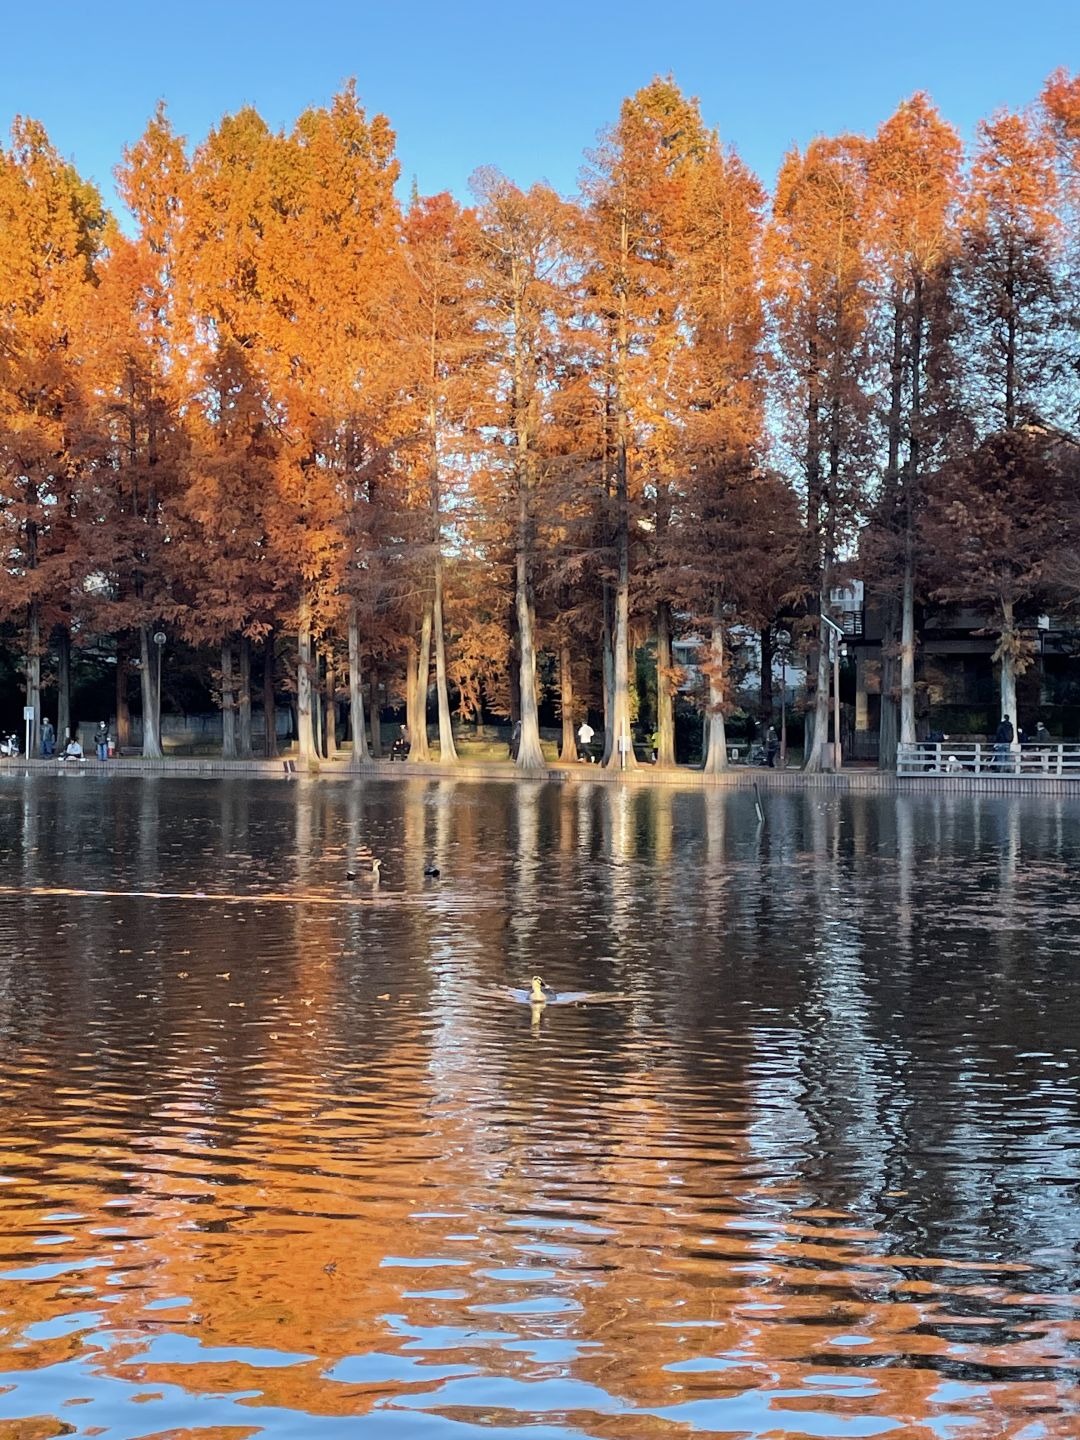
{"type": "Point", "coordinates": [522, 87]}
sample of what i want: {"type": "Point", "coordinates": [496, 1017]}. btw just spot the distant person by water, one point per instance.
{"type": "Point", "coordinates": [48, 739]}
{"type": "Point", "coordinates": [584, 739]}
{"type": "Point", "coordinates": [101, 740]}
{"type": "Point", "coordinates": [772, 747]}
{"type": "Point", "coordinates": [1003, 739]}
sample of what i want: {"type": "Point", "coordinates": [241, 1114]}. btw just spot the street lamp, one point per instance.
{"type": "Point", "coordinates": [159, 644]}
{"type": "Point", "coordinates": [836, 640]}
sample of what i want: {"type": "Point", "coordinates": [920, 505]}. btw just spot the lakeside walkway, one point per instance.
{"type": "Point", "coordinates": [683, 777]}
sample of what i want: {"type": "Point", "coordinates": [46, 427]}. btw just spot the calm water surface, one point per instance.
{"type": "Point", "coordinates": [279, 1156]}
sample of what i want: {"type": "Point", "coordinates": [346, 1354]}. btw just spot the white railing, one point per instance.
{"type": "Point", "coordinates": [947, 758]}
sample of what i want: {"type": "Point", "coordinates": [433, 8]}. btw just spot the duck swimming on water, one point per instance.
{"type": "Point", "coordinates": [539, 993]}
{"type": "Point", "coordinates": [373, 877]}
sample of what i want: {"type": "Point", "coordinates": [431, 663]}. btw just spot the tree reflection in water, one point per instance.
{"type": "Point", "coordinates": [282, 1167]}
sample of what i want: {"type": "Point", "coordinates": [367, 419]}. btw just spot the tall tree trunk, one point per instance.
{"type": "Point", "coordinates": [817, 514]}
{"type": "Point", "coordinates": [716, 731]}
{"type": "Point", "coordinates": [907, 650]}
{"type": "Point", "coordinates": [228, 703]}
{"type": "Point", "coordinates": [665, 695]}
{"type": "Point", "coordinates": [765, 697]}
{"type": "Point", "coordinates": [568, 745]}
{"type": "Point", "coordinates": [912, 480]}
{"type": "Point", "coordinates": [269, 706]}
{"type": "Point", "coordinates": [1007, 649]}
{"type": "Point", "coordinates": [820, 756]}
{"type": "Point", "coordinates": [243, 711]}
{"type": "Point", "coordinates": [375, 709]}
{"type": "Point", "coordinates": [622, 750]}
{"type": "Point", "coordinates": [530, 756]}
{"type": "Point", "coordinates": [33, 675]}
{"type": "Point", "coordinates": [123, 712]}
{"type": "Point", "coordinates": [607, 673]}
{"type": "Point", "coordinates": [1011, 308]}
{"type": "Point", "coordinates": [410, 689]}
{"type": "Point", "coordinates": [63, 682]}
{"type": "Point", "coordinates": [309, 760]}
{"type": "Point", "coordinates": [318, 717]}
{"type": "Point", "coordinates": [356, 694]}
{"type": "Point", "coordinates": [620, 747]}
{"type": "Point", "coordinates": [888, 708]}
{"type": "Point", "coordinates": [447, 750]}
{"type": "Point", "coordinates": [514, 675]}
{"type": "Point", "coordinates": [419, 748]}
{"type": "Point", "coordinates": [149, 660]}
{"type": "Point", "coordinates": [330, 708]}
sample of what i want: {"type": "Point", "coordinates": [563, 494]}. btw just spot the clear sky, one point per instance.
{"type": "Point", "coordinates": [524, 87]}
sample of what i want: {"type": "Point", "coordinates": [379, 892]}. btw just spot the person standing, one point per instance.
{"type": "Point", "coordinates": [48, 739]}
{"type": "Point", "coordinates": [1003, 739]}
{"type": "Point", "coordinates": [101, 740]}
{"type": "Point", "coordinates": [772, 747]}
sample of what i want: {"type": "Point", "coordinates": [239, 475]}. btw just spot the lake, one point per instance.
{"type": "Point", "coordinates": [282, 1154]}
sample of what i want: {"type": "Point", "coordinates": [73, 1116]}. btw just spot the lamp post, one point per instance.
{"type": "Point", "coordinates": [836, 636]}
{"type": "Point", "coordinates": [159, 646]}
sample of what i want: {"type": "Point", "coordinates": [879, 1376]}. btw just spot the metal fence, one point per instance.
{"type": "Point", "coordinates": [945, 758]}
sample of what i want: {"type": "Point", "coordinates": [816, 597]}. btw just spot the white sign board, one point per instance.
{"type": "Point", "coordinates": [28, 712]}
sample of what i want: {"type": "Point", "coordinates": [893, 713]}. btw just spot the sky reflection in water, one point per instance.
{"type": "Point", "coordinates": [298, 1167]}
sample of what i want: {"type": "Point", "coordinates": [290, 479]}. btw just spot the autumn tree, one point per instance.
{"type": "Point", "coordinates": [521, 261]}
{"type": "Point", "coordinates": [1010, 242]}
{"type": "Point", "coordinates": [229, 470]}
{"type": "Point", "coordinates": [439, 324]}
{"type": "Point", "coordinates": [138, 335]}
{"type": "Point", "coordinates": [819, 284]}
{"type": "Point", "coordinates": [993, 523]}
{"type": "Point", "coordinates": [915, 190]}
{"type": "Point", "coordinates": [722, 425]}
{"type": "Point", "coordinates": [330, 258]}
{"type": "Point", "coordinates": [632, 195]}
{"type": "Point", "coordinates": [51, 226]}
